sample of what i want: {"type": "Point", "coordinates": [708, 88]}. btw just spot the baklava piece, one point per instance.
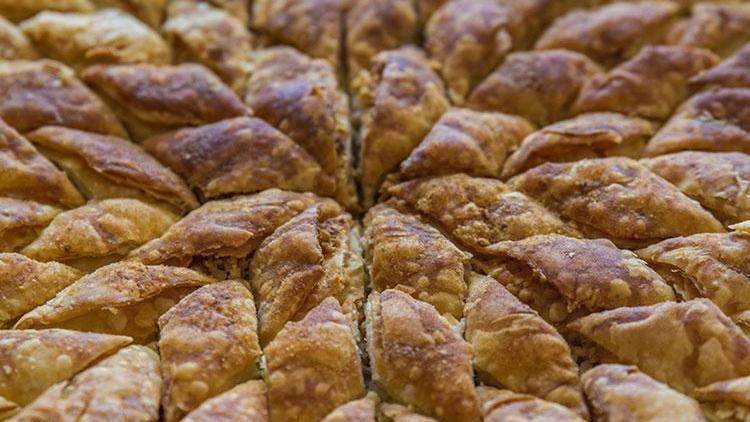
{"type": "Point", "coordinates": [34, 360]}
{"type": "Point", "coordinates": [649, 85]}
{"type": "Point", "coordinates": [45, 92]}
{"type": "Point", "coordinates": [734, 71]}
{"type": "Point", "coordinates": [616, 198]}
{"type": "Point", "coordinates": [721, 27]}
{"type": "Point", "coordinates": [210, 36]}
{"type": "Point", "coordinates": [726, 400]}
{"type": "Point", "coordinates": [506, 406]}
{"type": "Point", "coordinates": [18, 10]}
{"type": "Point", "coordinates": [715, 120]}
{"type": "Point", "coordinates": [537, 85]}
{"type": "Point", "coordinates": [611, 33]}
{"type": "Point", "coordinates": [106, 36]}
{"type": "Point", "coordinates": [402, 98]}
{"type": "Point", "coordinates": [313, 366]}
{"type": "Point", "coordinates": [361, 410]}
{"type": "Point", "coordinates": [515, 348]}
{"type": "Point", "coordinates": [98, 233]}
{"type": "Point", "coordinates": [417, 359]}
{"type": "Point", "coordinates": [245, 402]}
{"type": "Point", "coordinates": [122, 387]}
{"type": "Point", "coordinates": [151, 99]}
{"type": "Point", "coordinates": [21, 222]}
{"type": "Point", "coordinates": [622, 392]}
{"type": "Point", "coordinates": [208, 344]}
{"type": "Point", "coordinates": [149, 11]}
{"type": "Point", "coordinates": [13, 43]}
{"type": "Point", "coordinates": [104, 166]}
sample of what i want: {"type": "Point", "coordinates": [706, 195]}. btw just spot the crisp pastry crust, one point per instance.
{"type": "Point", "coordinates": [100, 232]}
{"type": "Point", "coordinates": [123, 298]}
{"type": "Point", "coordinates": [21, 222]}
{"type": "Point", "coordinates": [466, 141]}
{"type": "Point", "coordinates": [649, 85]}
{"type": "Point", "coordinates": [361, 410]}
{"type": "Point", "coordinates": [245, 402]}
{"type": "Point", "coordinates": [721, 27]}
{"type": "Point", "coordinates": [313, 366]}
{"type": "Point", "coordinates": [734, 71]}
{"type": "Point", "coordinates": [622, 392]}
{"type": "Point", "coordinates": [18, 10]}
{"type": "Point", "coordinates": [537, 85]}
{"type": "Point", "coordinates": [514, 347]}
{"type": "Point", "coordinates": [104, 166]}
{"type": "Point", "coordinates": [726, 400]}
{"type": "Point", "coordinates": [715, 120]}
{"type": "Point", "coordinates": [151, 99]}
{"type": "Point", "coordinates": [417, 359]}
{"type": "Point", "coordinates": [45, 92]}
{"type": "Point", "coordinates": [13, 43]}
{"type": "Point", "coordinates": [240, 9]}
{"type": "Point", "coordinates": [208, 344]}
{"type": "Point", "coordinates": [7, 408]}
{"type": "Point", "coordinates": [507, 406]}
{"type": "Point", "coordinates": [124, 386]}
{"type": "Point", "coordinates": [150, 12]}
{"type": "Point", "coordinates": [391, 412]}
{"type": "Point", "coordinates": [106, 36]}
{"type": "Point", "coordinates": [616, 198]}
{"type": "Point", "coordinates": [34, 360]}
{"type": "Point", "coordinates": [26, 284]}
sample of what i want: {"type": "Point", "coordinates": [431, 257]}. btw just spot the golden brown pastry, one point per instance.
{"type": "Point", "coordinates": [622, 393]}
{"type": "Point", "coordinates": [507, 406]}
{"type": "Point", "coordinates": [7, 408]}
{"type": "Point", "coordinates": [313, 366]}
{"type": "Point", "coordinates": [466, 141]}
{"type": "Point", "coordinates": [537, 85]}
{"type": "Point", "coordinates": [726, 400]}
{"type": "Point", "coordinates": [18, 10]}
{"type": "Point", "coordinates": [718, 26]}
{"type": "Point", "coordinates": [122, 387]}
{"type": "Point", "coordinates": [515, 348]}
{"type": "Point", "coordinates": [13, 43]}
{"type": "Point", "coordinates": [104, 166]}
{"type": "Point", "coordinates": [208, 344]}
{"type": "Point", "coordinates": [391, 412]}
{"type": "Point", "coordinates": [476, 211]}
{"type": "Point", "coordinates": [715, 120]}
{"type": "Point", "coordinates": [649, 85]}
{"type": "Point", "coordinates": [21, 222]}
{"type": "Point", "coordinates": [34, 360]}
{"type": "Point", "coordinates": [210, 36]}
{"type": "Point", "coordinates": [123, 298]}
{"type": "Point", "coordinates": [239, 155]}
{"type": "Point", "coordinates": [717, 180]}
{"type": "Point", "coordinates": [240, 9]}
{"type": "Point", "coordinates": [417, 359]}
{"type": "Point", "coordinates": [152, 99]}
{"type": "Point", "coordinates": [245, 402]}
{"type": "Point", "coordinates": [26, 174]}
{"type": "Point", "coordinates": [468, 38]}
{"type": "Point", "coordinates": [45, 92]}
{"type": "Point", "coordinates": [734, 71]}
{"type": "Point", "coordinates": [529, 17]}
{"type": "Point", "coordinates": [98, 233]}
{"type": "Point", "coordinates": [151, 12]}
{"type": "Point", "coordinates": [361, 410]}
{"type": "Point", "coordinates": [403, 98]}
{"type": "Point", "coordinates": [616, 198]}
{"type": "Point", "coordinates": [612, 33]}
{"type": "Point", "coordinates": [106, 36]}
{"type": "Point", "coordinates": [405, 253]}
{"type": "Point", "coordinates": [26, 284]}
{"type": "Point", "coordinates": [686, 345]}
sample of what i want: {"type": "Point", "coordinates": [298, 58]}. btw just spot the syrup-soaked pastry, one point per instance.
{"type": "Point", "coordinates": [612, 33]}
{"type": "Point", "coordinates": [726, 400]}
{"type": "Point", "coordinates": [104, 166]}
{"type": "Point", "coordinates": [405, 253]}
{"type": "Point", "coordinates": [26, 284]}
{"type": "Point", "coordinates": [208, 344]}
{"type": "Point", "coordinates": [45, 92]}
{"type": "Point", "coordinates": [515, 348]}
{"type": "Point", "coordinates": [616, 198]}
{"type": "Point", "coordinates": [468, 38]}
{"type": "Point", "coordinates": [537, 85]}
{"type": "Point", "coordinates": [714, 120]}
{"type": "Point", "coordinates": [21, 222]}
{"type": "Point", "coordinates": [210, 36]}
{"type": "Point", "coordinates": [34, 360]}
{"type": "Point", "coordinates": [622, 392]}
{"type": "Point", "coordinates": [508, 406]}
{"type": "Point", "coordinates": [417, 359]}
{"type": "Point", "coordinates": [98, 233]}
{"type": "Point", "coordinates": [245, 402]}
{"type": "Point", "coordinates": [649, 85]}
{"type": "Point", "coordinates": [360, 410]}
{"type": "Point", "coordinates": [403, 98]}
{"type": "Point", "coordinates": [151, 12]}
{"type": "Point", "coordinates": [106, 36]}
{"type": "Point", "coordinates": [239, 155]}
{"type": "Point", "coordinates": [718, 180]}
{"type": "Point", "coordinates": [301, 97]}
{"type": "Point", "coordinates": [476, 211]}
{"type": "Point", "coordinates": [122, 387]}
{"type": "Point", "coordinates": [685, 345]}
{"type": "Point", "coordinates": [151, 99]}
{"type": "Point", "coordinates": [734, 71]}
{"type": "Point", "coordinates": [466, 141]}
{"type": "Point", "coordinates": [123, 298]}
{"type": "Point", "coordinates": [313, 366]}
{"type": "Point", "coordinates": [13, 43]}
{"type": "Point", "coordinates": [589, 135]}
{"type": "Point", "coordinates": [26, 174]}
{"type": "Point", "coordinates": [18, 10]}
{"type": "Point", "coordinates": [721, 27]}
